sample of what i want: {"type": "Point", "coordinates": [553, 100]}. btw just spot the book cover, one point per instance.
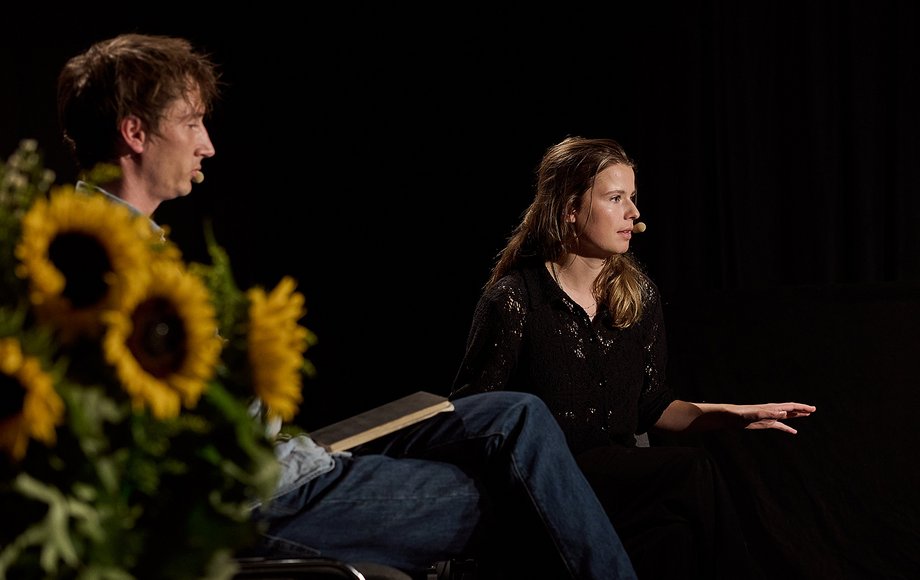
{"type": "Point", "coordinates": [381, 420]}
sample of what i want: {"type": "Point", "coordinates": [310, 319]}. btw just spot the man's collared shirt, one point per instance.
{"type": "Point", "coordinates": [86, 187]}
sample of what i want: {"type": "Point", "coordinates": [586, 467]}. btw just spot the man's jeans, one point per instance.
{"type": "Point", "coordinates": [490, 476]}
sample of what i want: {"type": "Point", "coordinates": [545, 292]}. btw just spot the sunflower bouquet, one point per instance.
{"type": "Point", "coordinates": [128, 443]}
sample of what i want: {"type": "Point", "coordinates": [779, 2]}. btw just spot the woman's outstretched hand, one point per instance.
{"type": "Point", "coordinates": [770, 415]}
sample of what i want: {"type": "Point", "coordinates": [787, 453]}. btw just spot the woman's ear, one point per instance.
{"type": "Point", "coordinates": [570, 215]}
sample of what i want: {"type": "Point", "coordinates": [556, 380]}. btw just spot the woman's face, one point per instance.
{"type": "Point", "coordinates": [604, 219]}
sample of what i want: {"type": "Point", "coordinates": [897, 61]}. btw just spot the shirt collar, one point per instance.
{"type": "Point", "coordinates": [86, 187]}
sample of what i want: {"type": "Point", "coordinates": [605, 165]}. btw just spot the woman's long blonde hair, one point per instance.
{"type": "Point", "coordinates": [566, 173]}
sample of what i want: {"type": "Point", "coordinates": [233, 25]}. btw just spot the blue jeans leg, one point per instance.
{"type": "Point", "coordinates": [512, 444]}
{"type": "Point", "coordinates": [406, 513]}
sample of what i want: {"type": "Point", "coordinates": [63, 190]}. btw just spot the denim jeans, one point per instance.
{"type": "Point", "coordinates": [486, 480]}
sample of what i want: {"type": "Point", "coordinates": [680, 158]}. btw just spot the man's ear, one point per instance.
{"type": "Point", "coordinates": [133, 133]}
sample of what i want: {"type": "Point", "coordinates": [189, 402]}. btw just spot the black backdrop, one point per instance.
{"type": "Point", "coordinates": [381, 155]}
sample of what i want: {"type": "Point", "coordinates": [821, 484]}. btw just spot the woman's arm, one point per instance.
{"type": "Point", "coordinates": [696, 417]}
{"type": "Point", "coordinates": [493, 343]}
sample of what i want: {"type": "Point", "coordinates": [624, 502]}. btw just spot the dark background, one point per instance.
{"type": "Point", "coordinates": [381, 156]}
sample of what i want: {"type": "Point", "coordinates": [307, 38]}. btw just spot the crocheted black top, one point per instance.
{"type": "Point", "coordinates": [602, 383]}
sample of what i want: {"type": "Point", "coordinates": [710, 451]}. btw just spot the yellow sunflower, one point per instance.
{"type": "Point", "coordinates": [29, 405]}
{"type": "Point", "coordinates": [81, 254]}
{"type": "Point", "coordinates": [276, 346]}
{"type": "Point", "coordinates": [164, 344]}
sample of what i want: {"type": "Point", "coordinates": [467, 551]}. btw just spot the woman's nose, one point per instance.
{"type": "Point", "coordinates": [633, 210]}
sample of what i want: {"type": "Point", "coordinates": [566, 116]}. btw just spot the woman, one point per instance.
{"type": "Point", "coordinates": [568, 314]}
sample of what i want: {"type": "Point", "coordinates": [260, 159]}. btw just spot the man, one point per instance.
{"type": "Point", "coordinates": [492, 479]}
{"type": "Point", "coordinates": [145, 116]}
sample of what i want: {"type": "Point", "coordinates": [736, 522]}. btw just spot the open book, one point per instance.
{"type": "Point", "coordinates": [381, 420]}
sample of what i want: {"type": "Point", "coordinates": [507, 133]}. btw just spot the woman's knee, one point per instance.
{"type": "Point", "coordinates": [699, 460]}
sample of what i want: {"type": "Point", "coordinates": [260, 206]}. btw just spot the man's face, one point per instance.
{"type": "Point", "coordinates": [172, 157]}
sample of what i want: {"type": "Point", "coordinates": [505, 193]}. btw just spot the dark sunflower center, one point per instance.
{"type": "Point", "coordinates": [158, 339]}
{"type": "Point", "coordinates": [12, 397]}
{"type": "Point", "coordinates": [83, 261]}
